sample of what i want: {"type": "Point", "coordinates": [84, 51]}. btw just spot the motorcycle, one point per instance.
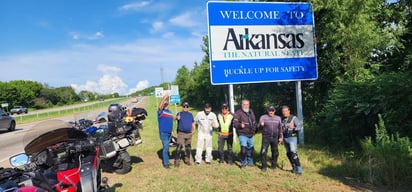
{"type": "Point", "coordinates": [56, 158]}
{"type": "Point", "coordinates": [12, 178]}
{"type": "Point", "coordinates": [114, 134]}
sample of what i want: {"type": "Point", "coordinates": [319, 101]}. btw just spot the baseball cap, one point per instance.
{"type": "Point", "coordinates": [207, 105]}
{"type": "Point", "coordinates": [224, 105]}
{"type": "Point", "coordinates": [271, 108]}
{"type": "Point", "coordinates": [185, 104]}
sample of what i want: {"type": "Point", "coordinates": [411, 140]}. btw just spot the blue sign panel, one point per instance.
{"type": "Point", "coordinates": [175, 99]}
{"type": "Point", "coordinates": [252, 42]}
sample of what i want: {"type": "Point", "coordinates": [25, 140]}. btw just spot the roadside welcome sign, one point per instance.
{"type": "Point", "coordinates": [159, 92]}
{"type": "Point", "coordinates": [252, 42]}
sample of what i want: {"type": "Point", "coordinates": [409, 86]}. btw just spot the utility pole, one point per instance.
{"type": "Point", "coordinates": [161, 74]}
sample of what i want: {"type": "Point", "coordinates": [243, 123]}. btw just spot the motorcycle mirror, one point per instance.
{"type": "Point", "coordinates": [19, 160]}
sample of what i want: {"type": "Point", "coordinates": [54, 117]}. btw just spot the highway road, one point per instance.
{"type": "Point", "coordinates": [11, 143]}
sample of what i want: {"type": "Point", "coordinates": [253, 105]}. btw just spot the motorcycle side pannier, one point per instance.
{"type": "Point", "coordinates": [108, 149]}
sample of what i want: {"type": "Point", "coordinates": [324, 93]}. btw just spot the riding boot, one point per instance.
{"type": "Point", "coordinates": [275, 155]}
{"type": "Point", "coordinates": [187, 156]}
{"type": "Point", "coordinates": [229, 154]}
{"type": "Point", "coordinates": [230, 157]}
{"type": "Point", "coordinates": [295, 159]}
{"type": "Point", "coordinates": [222, 157]}
{"type": "Point", "coordinates": [263, 156]}
{"type": "Point", "coordinates": [289, 154]}
{"type": "Point", "coordinates": [243, 156]}
{"type": "Point", "coordinates": [250, 158]}
{"type": "Point", "coordinates": [177, 155]}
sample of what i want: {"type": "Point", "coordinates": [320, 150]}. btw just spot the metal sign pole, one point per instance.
{"type": "Point", "coordinates": [232, 108]}
{"type": "Point", "coordinates": [299, 110]}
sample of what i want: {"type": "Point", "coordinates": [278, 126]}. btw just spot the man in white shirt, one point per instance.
{"type": "Point", "coordinates": [206, 121]}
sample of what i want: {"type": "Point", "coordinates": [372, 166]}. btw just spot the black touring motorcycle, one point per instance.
{"type": "Point", "coordinates": [56, 158]}
{"type": "Point", "coordinates": [113, 134]}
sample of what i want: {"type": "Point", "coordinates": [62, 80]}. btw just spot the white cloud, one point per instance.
{"type": "Point", "coordinates": [186, 19]}
{"type": "Point", "coordinates": [112, 84]}
{"type": "Point", "coordinates": [109, 83]}
{"type": "Point", "coordinates": [78, 36]}
{"type": "Point", "coordinates": [106, 69]}
{"type": "Point", "coordinates": [156, 26]}
{"type": "Point", "coordinates": [74, 35]}
{"type": "Point", "coordinates": [140, 86]}
{"type": "Point", "coordinates": [91, 86]}
{"type": "Point", "coordinates": [97, 35]}
{"type": "Point", "coordinates": [134, 6]}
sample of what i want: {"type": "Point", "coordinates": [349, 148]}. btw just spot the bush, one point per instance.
{"type": "Point", "coordinates": [389, 159]}
{"type": "Point", "coordinates": [352, 109]}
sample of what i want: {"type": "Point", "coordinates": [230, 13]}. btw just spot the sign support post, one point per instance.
{"type": "Point", "coordinates": [299, 110]}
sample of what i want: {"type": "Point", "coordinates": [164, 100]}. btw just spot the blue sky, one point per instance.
{"type": "Point", "coordinates": [103, 46]}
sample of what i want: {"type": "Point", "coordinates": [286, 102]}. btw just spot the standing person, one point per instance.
{"type": "Point", "coordinates": [185, 130]}
{"type": "Point", "coordinates": [206, 121]}
{"type": "Point", "coordinates": [245, 123]}
{"type": "Point", "coordinates": [291, 126]}
{"type": "Point", "coordinates": [271, 136]}
{"type": "Point", "coordinates": [225, 119]}
{"type": "Point", "coordinates": [165, 123]}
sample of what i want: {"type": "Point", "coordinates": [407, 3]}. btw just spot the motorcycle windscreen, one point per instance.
{"type": "Point", "coordinates": [49, 136]}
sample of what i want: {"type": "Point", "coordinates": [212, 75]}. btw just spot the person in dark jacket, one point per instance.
{"type": "Point", "coordinates": [271, 136]}
{"type": "Point", "coordinates": [244, 122]}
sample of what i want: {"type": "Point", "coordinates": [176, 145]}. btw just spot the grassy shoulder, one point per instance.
{"type": "Point", "coordinates": [149, 175]}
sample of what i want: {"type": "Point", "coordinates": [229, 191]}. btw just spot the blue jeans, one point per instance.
{"type": "Point", "coordinates": [165, 138]}
{"type": "Point", "coordinates": [247, 142]}
{"type": "Point", "coordinates": [291, 144]}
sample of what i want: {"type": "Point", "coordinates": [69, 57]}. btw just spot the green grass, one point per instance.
{"type": "Point", "coordinates": [149, 175]}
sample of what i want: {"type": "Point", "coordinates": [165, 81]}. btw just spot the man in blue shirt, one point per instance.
{"type": "Point", "coordinates": [165, 123]}
{"type": "Point", "coordinates": [185, 129]}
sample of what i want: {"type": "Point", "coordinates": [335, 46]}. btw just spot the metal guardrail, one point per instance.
{"type": "Point", "coordinates": [62, 111]}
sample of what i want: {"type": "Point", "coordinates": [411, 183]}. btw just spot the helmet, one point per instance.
{"type": "Point", "coordinates": [173, 141]}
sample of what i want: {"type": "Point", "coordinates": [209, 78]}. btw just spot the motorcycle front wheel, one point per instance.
{"type": "Point", "coordinates": [125, 163]}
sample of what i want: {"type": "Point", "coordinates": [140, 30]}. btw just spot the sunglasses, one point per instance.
{"type": "Point", "coordinates": [271, 110]}
{"type": "Point", "coordinates": [185, 106]}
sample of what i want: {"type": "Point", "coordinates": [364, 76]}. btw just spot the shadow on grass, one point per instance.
{"type": "Point", "coordinates": [136, 160]}
{"type": "Point", "coordinates": [115, 186]}
{"type": "Point", "coordinates": [340, 173]}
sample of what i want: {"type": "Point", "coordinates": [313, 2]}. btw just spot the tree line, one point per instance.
{"type": "Point", "coordinates": [38, 96]}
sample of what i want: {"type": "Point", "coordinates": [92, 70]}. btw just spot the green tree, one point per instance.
{"type": "Point", "coordinates": [396, 20]}
{"type": "Point", "coordinates": [20, 92]}
{"type": "Point", "coordinates": [185, 82]}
